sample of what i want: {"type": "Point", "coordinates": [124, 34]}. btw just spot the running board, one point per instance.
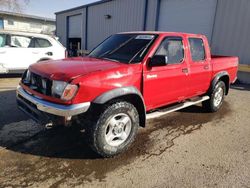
{"type": "Point", "coordinates": [177, 107]}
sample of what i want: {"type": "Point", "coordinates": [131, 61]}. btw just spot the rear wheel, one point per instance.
{"type": "Point", "coordinates": [216, 97]}
{"type": "Point", "coordinates": [114, 130]}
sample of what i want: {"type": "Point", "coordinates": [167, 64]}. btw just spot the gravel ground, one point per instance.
{"type": "Point", "coordinates": [188, 148]}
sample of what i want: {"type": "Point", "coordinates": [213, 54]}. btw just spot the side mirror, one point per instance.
{"type": "Point", "coordinates": [158, 60]}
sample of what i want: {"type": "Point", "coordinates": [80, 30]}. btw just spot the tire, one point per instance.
{"type": "Point", "coordinates": [115, 129]}
{"type": "Point", "coordinates": [216, 97]}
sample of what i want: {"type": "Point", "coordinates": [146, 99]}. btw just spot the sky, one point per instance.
{"type": "Point", "coordinates": [47, 8]}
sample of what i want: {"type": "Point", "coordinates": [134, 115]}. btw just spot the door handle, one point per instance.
{"type": "Point", "coordinates": [206, 67]}
{"type": "Point", "coordinates": [49, 53]}
{"type": "Point", "coordinates": [185, 70]}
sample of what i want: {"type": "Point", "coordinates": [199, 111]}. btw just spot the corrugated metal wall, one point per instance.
{"type": "Point", "coordinates": [126, 15]}
{"type": "Point", "coordinates": [192, 16]}
{"type": "Point", "coordinates": [151, 15]}
{"type": "Point", "coordinates": [62, 22]}
{"type": "Point", "coordinates": [98, 27]}
{"type": "Point", "coordinates": [130, 15]}
{"type": "Point", "coordinates": [228, 30]}
{"type": "Point", "coordinates": [231, 30]}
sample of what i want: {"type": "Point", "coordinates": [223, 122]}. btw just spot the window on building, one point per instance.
{"type": "Point", "coordinates": [19, 41]}
{"type": "Point", "coordinates": [41, 43]}
{"type": "Point", "coordinates": [2, 40]}
{"type": "Point", "coordinates": [10, 22]}
{"type": "Point", "coordinates": [197, 49]}
{"type": "Point", "coordinates": [173, 49]}
{"type": "Point", "coordinates": [1, 23]}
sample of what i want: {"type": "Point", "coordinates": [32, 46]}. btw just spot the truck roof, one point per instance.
{"type": "Point", "coordinates": [163, 33]}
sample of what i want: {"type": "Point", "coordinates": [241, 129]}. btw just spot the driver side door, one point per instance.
{"type": "Point", "coordinates": [166, 84]}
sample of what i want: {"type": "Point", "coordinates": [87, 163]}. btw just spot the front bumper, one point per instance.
{"type": "Point", "coordinates": [35, 107]}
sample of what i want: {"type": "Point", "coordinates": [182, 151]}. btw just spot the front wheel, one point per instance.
{"type": "Point", "coordinates": [216, 97]}
{"type": "Point", "coordinates": [114, 130]}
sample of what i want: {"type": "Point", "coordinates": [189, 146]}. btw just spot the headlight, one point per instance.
{"type": "Point", "coordinates": [63, 90]}
{"type": "Point", "coordinates": [58, 88]}
{"type": "Point", "coordinates": [27, 77]}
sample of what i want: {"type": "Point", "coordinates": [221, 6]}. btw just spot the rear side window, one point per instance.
{"type": "Point", "coordinates": [41, 43]}
{"type": "Point", "coordinates": [2, 40]}
{"type": "Point", "coordinates": [173, 49]}
{"type": "Point", "coordinates": [197, 49]}
{"type": "Point", "coordinates": [19, 41]}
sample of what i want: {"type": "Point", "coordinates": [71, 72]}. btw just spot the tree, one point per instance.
{"type": "Point", "coordinates": [13, 5]}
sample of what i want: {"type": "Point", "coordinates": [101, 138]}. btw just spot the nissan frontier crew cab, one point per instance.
{"type": "Point", "coordinates": [127, 79]}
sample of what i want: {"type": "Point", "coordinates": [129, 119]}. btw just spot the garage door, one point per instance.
{"type": "Point", "coordinates": [192, 16]}
{"type": "Point", "coordinates": [75, 26]}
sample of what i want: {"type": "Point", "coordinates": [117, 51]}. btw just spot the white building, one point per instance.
{"type": "Point", "coordinates": [26, 23]}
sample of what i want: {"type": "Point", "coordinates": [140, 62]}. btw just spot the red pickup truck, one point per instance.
{"type": "Point", "coordinates": [127, 79]}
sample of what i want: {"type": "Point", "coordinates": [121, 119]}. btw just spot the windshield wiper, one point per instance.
{"type": "Point", "coordinates": [110, 59]}
{"type": "Point", "coordinates": [141, 51]}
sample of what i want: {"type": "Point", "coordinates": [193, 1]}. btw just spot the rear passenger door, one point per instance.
{"type": "Point", "coordinates": [200, 68]}
{"type": "Point", "coordinates": [41, 49]}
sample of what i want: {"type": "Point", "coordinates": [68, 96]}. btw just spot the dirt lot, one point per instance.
{"type": "Point", "coordinates": [189, 148]}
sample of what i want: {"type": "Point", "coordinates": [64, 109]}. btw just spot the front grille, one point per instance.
{"type": "Point", "coordinates": [37, 83]}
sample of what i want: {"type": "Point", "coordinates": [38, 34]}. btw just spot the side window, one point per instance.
{"type": "Point", "coordinates": [19, 41]}
{"type": "Point", "coordinates": [10, 22]}
{"type": "Point", "coordinates": [3, 39]}
{"type": "Point", "coordinates": [197, 49]}
{"type": "Point", "coordinates": [41, 43]}
{"type": "Point", "coordinates": [1, 23]}
{"type": "Point", "coordinates": [173, 49]}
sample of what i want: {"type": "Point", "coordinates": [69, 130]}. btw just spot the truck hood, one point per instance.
{"type": "Point", "coordinates": [71, 68]}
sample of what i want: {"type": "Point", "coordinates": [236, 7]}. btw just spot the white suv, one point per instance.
{"type": "Point", "coordinates": [19, 50]}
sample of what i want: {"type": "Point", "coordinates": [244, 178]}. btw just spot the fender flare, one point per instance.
{"type": "Point", "coordinates": [122, 92]}
{"type": "Point", "coordinates": [43, 59]}
{"type": "Point", "coordinates": [217, 77]}
{"type": "Point", "coordinates": [115, 93]}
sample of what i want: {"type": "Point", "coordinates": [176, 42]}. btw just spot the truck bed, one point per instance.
{"type": "Point", "coordinates": [226, 63]}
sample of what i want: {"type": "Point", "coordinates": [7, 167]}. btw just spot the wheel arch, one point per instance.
{"type": "Point", "coordinates": [221, 76]}
{"type": "Point", "coordinates": [43, 59]}
{"type": "Point", "coordinates": [130, 94]}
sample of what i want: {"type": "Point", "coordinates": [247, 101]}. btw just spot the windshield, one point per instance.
{"type": "Point", "coordinates": [125, 48]}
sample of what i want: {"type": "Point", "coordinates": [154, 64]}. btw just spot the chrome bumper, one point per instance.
{"type": "Point", "coordinates": [56, 109]}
